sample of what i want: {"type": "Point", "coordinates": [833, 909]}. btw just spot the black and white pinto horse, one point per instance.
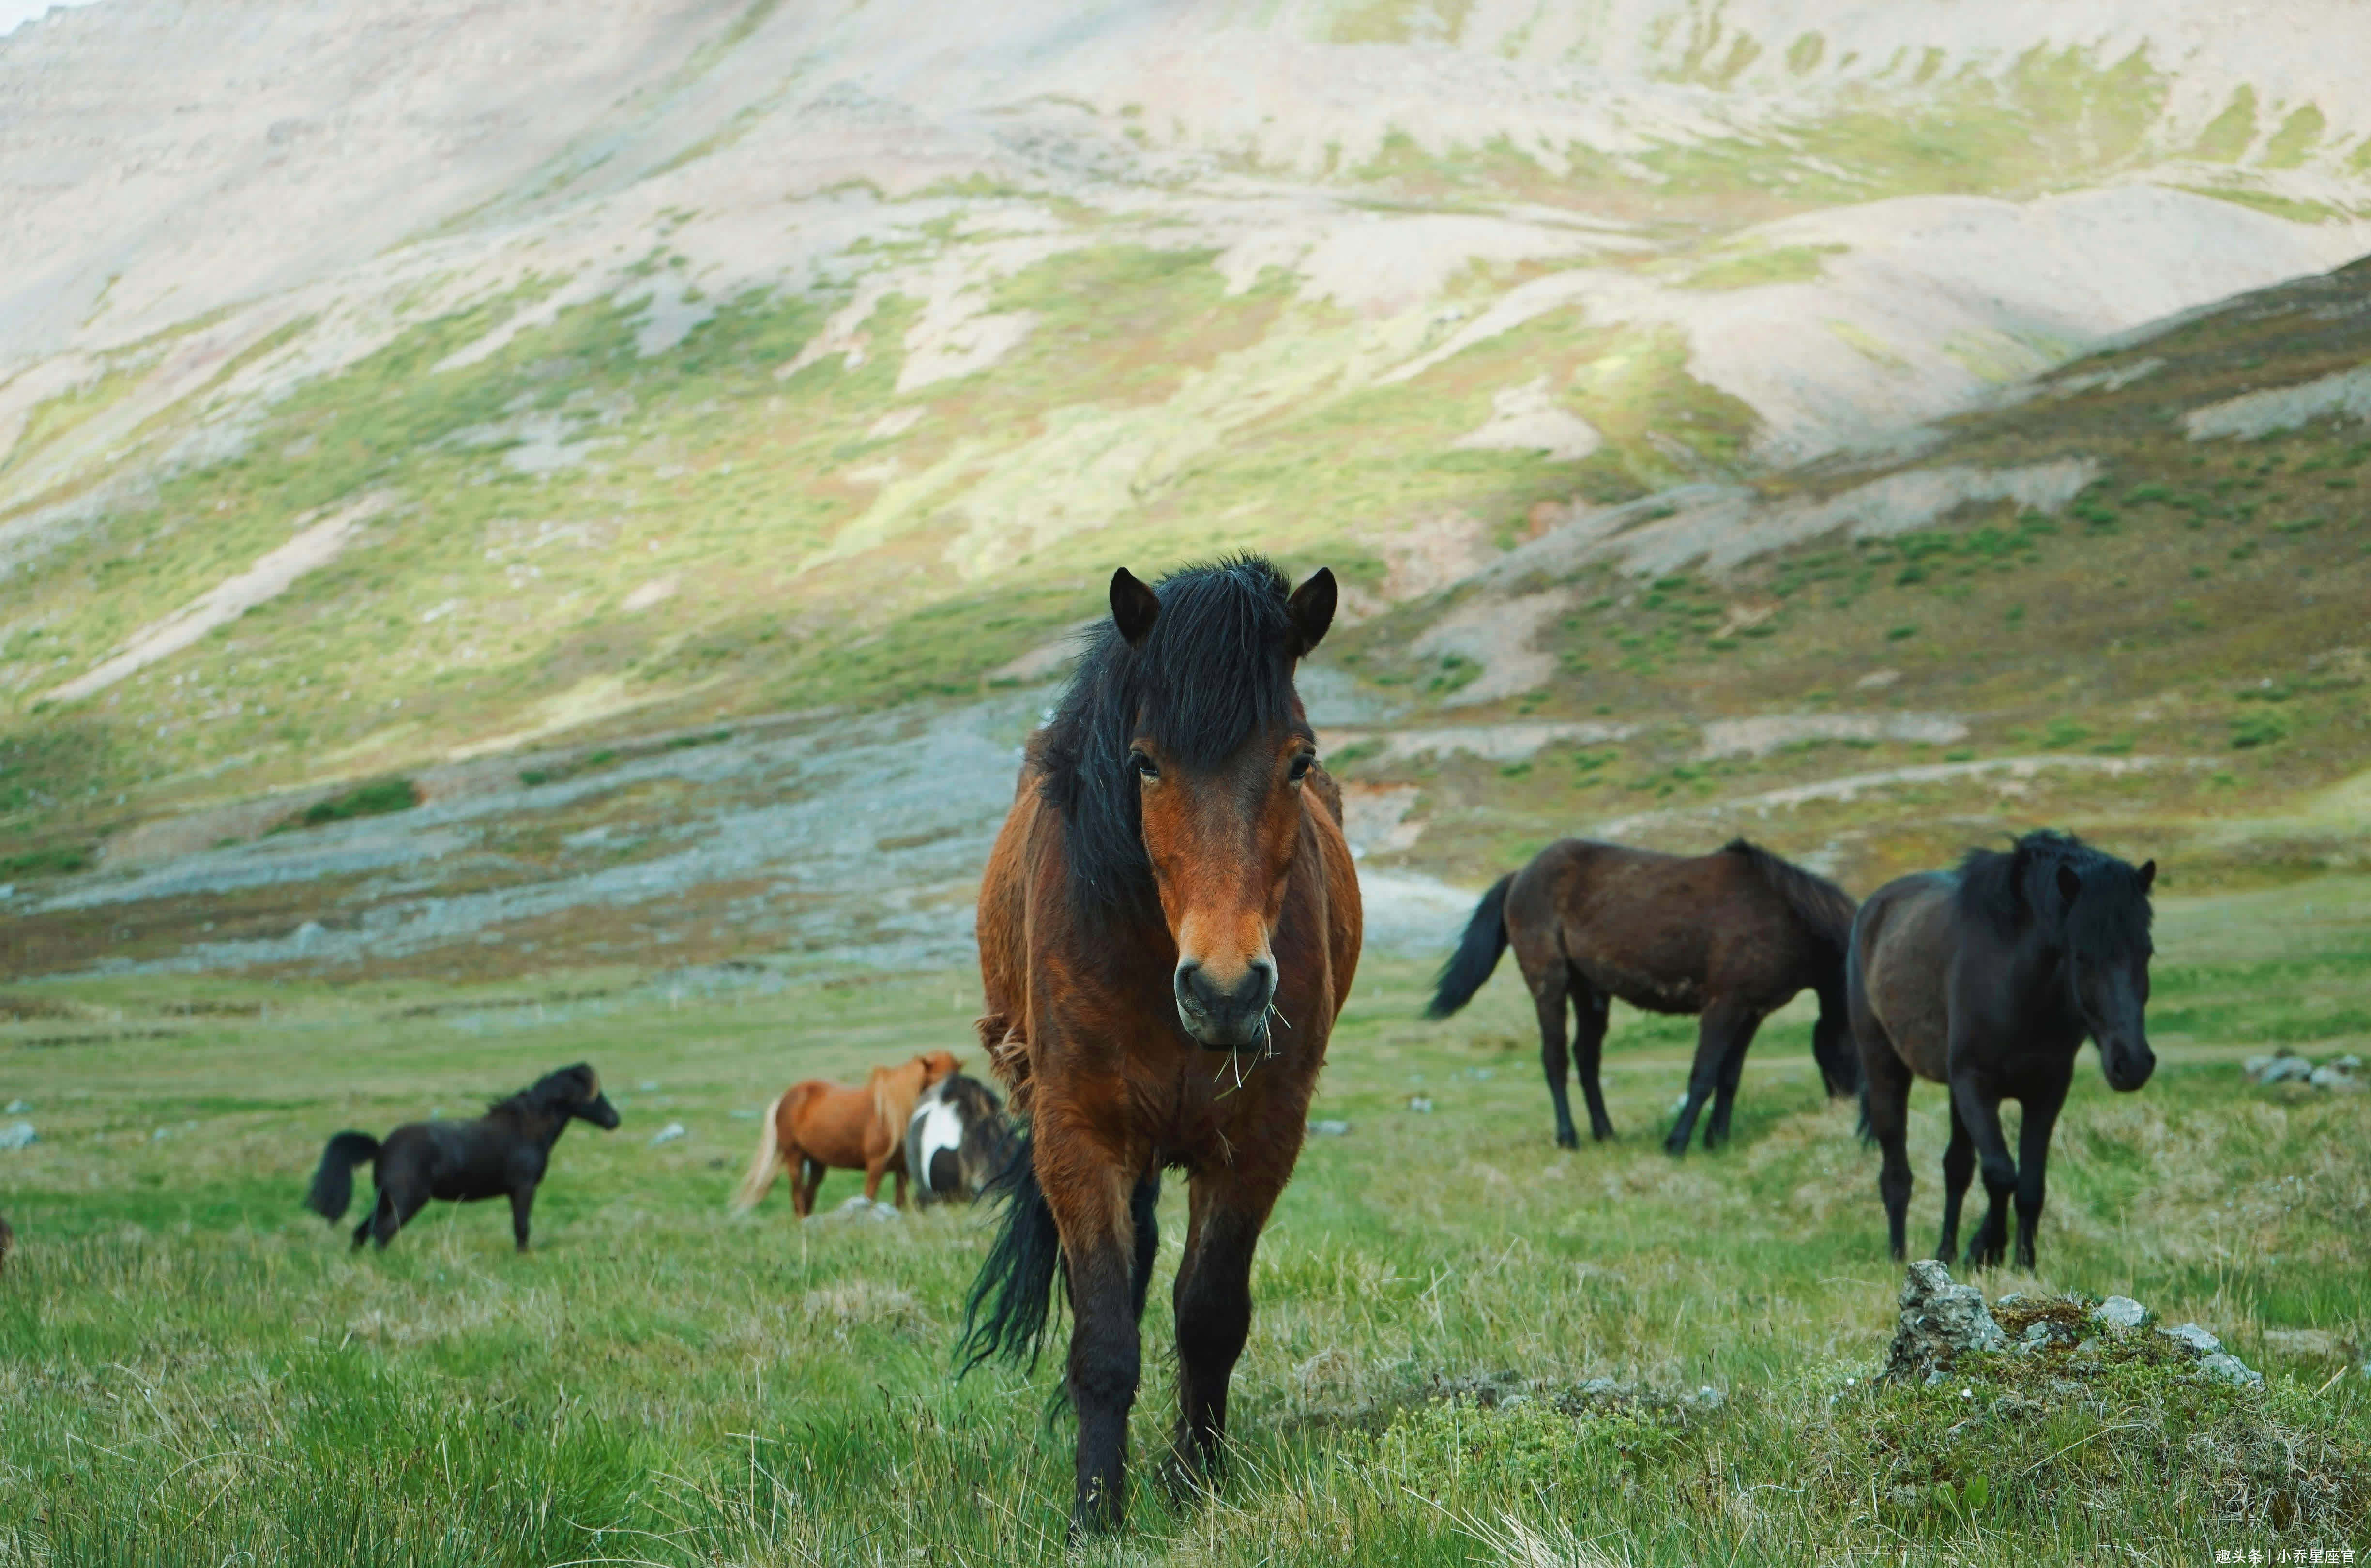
{"type": "Point", "coordinates": [956, 1139]}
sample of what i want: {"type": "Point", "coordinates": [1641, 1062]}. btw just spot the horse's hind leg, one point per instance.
{"type": "Point", "coordinates": [1885, 1106]}
{"type": "Point", "coordinates": [393, 1214]}
{"type": "Point", "coordinates": [1958, 1169]}
{"type": "Point", "coordinates": [1590, 1005]}
{"type": "Point", "coordinates": [803, 1189]}
{"type": "Point", "coordinates": [1548, 995]}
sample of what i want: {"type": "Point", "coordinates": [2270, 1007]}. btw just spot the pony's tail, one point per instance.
{"type": "Point", "coordinates": [1477, 953]}
{"type": "Point", "coordinates": [333, 1184]}
{"type": "Point", "coordinates": [1005, 1314]}
{"type": "Point", "coordinates": [767, 1160]}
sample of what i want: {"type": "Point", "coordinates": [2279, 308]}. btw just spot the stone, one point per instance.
{"type": "Point", "coordinates": [1940, 1322]}
{"type": "Point", "coordinates": [2331, 1075]}
{"type": "Point", "coordinates": [18, 1106]}
{"type": "Point", "coordinates": [667, 1135]}
{"type": "Point", "coordinates": [1330, 1129]}
{"type": "Point", "coordinates": [2194, 1336]}
{"type": "Point", "coordinates": [2120, 1312]}
{"type": "Point", "coordinates": [2231, 1369]}
{"type": "Point", "coordinates": [2281, 1068]}
{"type": "Point", "coordinates": [861, 1208]}
{"type": "Point", "coordinates": [19, 1135]}
{"type": "Point", "coordinates": [2303, 1341]}
{"type": "Point", "coordinates": [1420, 1104]}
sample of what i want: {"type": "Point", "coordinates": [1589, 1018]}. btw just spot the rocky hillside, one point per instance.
{"type": "Point", "coordinates": [456, 462]}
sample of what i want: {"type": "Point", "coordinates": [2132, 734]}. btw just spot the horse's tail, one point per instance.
{"type": "Point", "coordinates": [1016, 1285]}
{"type": "Point", "coordinates": [767, 1160]}
{"type": "Point", "coordinates": [333, 1184]}
{"type": "Point", "coordinates": [1477, 953]}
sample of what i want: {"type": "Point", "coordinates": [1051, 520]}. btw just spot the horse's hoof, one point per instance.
{"type": "Point", "coordinates": [1568, 1140]}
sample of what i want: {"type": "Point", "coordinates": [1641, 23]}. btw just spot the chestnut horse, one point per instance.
{"type": "Point", "coordinates": [830, 1126]}
{"type": "Point", "coordinates": [1730, 937]}
{"type": "Point", "coordinates": [1168, 925]}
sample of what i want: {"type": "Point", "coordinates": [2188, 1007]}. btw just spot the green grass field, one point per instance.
{"type": "Point", "coordinates": [193, 1370]}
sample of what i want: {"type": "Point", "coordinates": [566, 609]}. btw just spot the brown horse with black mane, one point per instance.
{"type": "Point", "coordinates": [1730, 937]}
{"type": "Point", "coordinates": [815, 1126]}
{"type": "Point", "coordinates": [1168, 925]}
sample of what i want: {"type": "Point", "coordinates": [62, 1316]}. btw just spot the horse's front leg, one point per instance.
{"type": "Point", "coordinates": [2041, 1108]}
{"type": "Point", "coordinates": [1213, 1299]}
{"type": "Point", "coordinates": [1092, 1212]}
{"type": "Point", "coordinates": [522, 1203]}
{"type": "Point", "coordinates": [1979, 1107]}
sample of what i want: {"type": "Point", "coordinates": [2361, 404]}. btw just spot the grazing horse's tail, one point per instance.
{"type": "Point", "coordinates": [1477, 953]}
{"type": "Point", "coordinates": [1018, 1272]}
{"type": "Point", "coordinates": [767, 1160]}
{"type": "Point", "coordinates": [333, 1184]}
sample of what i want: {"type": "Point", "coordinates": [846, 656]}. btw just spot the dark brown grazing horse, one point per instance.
{"type": "Point", "coordinates": [1168, 925]}
{"type": "Point", "coordinates": [1989, 980]}
{"type": "Point", "coordinates": [1730, 937]}
{"type": "Point", "coordinates": [501, 1154]}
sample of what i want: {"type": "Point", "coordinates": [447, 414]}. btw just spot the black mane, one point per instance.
{"type": "Point", "coordinates": [1215, 669]}
{"type": "Point", "coordinates": [2007, 889]}
{"type": "Point", "coordinates": [553, 1091]}
{"type": "Point", "coordinates": [1827, 909]}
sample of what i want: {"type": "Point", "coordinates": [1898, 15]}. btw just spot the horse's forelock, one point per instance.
{"type": "Point", "coordinates": [1215, 670]}
{"type": "Point", "coordinates": [2111, 915]}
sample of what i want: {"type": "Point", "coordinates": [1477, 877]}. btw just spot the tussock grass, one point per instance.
{"type": "Point", "coordinates": [193, 1369]}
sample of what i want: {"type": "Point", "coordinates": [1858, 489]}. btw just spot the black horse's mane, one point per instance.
{"type": "Point", "coordinates": [2006, 888]}
{"type": "Point", "coordinates": [1215, 669]}
{"type": "Point", "coordinates": [549, 1092]}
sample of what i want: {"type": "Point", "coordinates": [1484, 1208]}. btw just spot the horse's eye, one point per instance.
{"type": "Point", "coordinates": [1146, 768]}
{"type": "Point", "coordinates": [1301, 766]}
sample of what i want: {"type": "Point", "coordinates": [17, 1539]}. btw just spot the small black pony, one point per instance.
{"type": "Point", "coordinates": [502, 1153]}
{"type": "Point", "coordinates": [1989, 980]}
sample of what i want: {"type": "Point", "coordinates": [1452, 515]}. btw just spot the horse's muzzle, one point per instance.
{"type": "Point", "coordinates": [1226, 1016]}
{"type": "Point", "coordinates": [2127, 1067]}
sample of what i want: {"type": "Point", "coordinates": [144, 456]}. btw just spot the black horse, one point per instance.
{"type": "Point", "coordinates": [502, 1153]}
{"type": "Point", "coordinates": [956, 1140]}
{"type": "Point", "coordinates": [1989, 980]}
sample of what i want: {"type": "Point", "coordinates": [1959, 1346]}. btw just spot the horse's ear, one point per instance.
{"type": "Point", "coordinates": [1134, 607]}
{"type": "Point", "coordinates": [2070, 884]}
{"type": "Point", "coordinates": [1312, 606]}
{"type": "Point", "coordinates": [2147, 874]}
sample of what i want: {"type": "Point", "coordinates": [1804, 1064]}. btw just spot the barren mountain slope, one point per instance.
{"type": "Point", "coordinates": [398, 390]}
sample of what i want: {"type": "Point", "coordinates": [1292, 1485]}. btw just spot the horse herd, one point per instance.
{"type": "Point", "coordinates": [1169, 924]}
